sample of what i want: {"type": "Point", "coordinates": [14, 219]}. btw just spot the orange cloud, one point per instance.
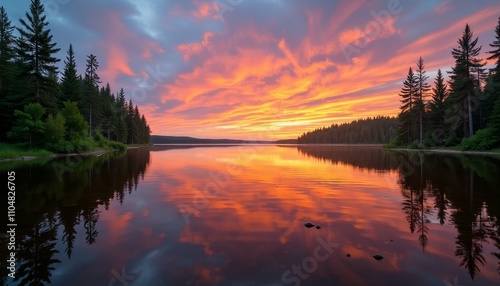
{"type": "Point", "coordinates": [256, 81]}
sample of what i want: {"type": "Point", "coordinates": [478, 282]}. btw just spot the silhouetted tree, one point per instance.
{"type": "Point", "coordinates": [71, 88]}
{"type": "Point", "coordinates": [35, 50]}
{"type": "Point", "coordinates": [409, 95]}
{"type": "Point", "coordinates": [462, 99]}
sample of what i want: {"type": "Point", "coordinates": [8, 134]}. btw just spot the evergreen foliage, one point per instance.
{"type": "Point", "coordinates": [35, 50]}
{"type": "Point", "coordinates": [7, 85]}
{"type": "Point", "coordinates": [71, 87]}
{"type": "Point", "coordinates": [407, 129]}
{"type": "Point", "coordinates": [60, 115]}
{"type": "Point", "coordinates": [464, 112]}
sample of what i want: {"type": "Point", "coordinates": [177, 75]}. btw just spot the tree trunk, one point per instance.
{"type": "Point", "coordinates": [471, 130]}
{"type": "Point", "coordinates": [90, 120]}
{"type": "Point", "coordinates": [37, 92]}
{"type": "Point", "coordinates": [421, 128]}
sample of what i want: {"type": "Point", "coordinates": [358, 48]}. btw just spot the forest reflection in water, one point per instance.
{"type": "Point", "coordinates": [439, 188]}
{"type": "Point", "coordinates": [61, 201]}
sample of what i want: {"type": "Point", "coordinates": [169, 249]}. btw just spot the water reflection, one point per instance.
{"type": "Point", "coordinates": [429, 215]}
{"type": "Point", "coordinates": [456, 184]}
{"type": "Point", "coordinates": [56, 196]}
{"type": "Point", "coordinates": [463, 188]}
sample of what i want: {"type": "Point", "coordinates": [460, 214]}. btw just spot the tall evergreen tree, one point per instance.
{"type": "Point", "coordinates": [146, 131]}
{"type": "Point", "coordinates": [409, 96]}
{"type": "Point", "coordinates": [121, 114]}
{"type": "Point", "coordinates": [494, 85]}
{"type": "Point", "coordinates": [6, 50]}
{"type": "Point", "coordinates": [131, 124]}
{"type": "Point", "coordinates": [6, 72]}
{"type": "Point", "coordinates": [92, 81]}
{"type": "Point", "coordinates": [462, 82]}
{"type": "Point", "coordinates": [495, 53]}
{"type": "Point", "coordinates": [35, 49]}
{"type": "Point", "coordinates": [436, 114]}
{"type": "Point", "coordinates": [423, 89]}
{"type": "Point", "coordinates": [70, 85]}
{"type": "Point", "coordinates": [108, 111]}
{"type": "Point", "coordinates": [478, 72]}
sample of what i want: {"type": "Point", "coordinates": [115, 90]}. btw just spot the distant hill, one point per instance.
{"type": "Point", "coordinates": [286, 141]}
{"type": "Point", "coordinates": [160, 139]}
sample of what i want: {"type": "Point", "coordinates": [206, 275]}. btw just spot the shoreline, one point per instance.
{"type": "Point", "coordinates": [445, 151]}
{"type": "Point", "coordinates": [98, 152]}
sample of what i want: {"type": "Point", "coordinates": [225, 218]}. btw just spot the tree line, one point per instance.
{"type": "Point", "coordinates": [377, 130]}
{"type": "Point", "coordinates": [66, 114]}
{"type": "Point", "coordinates": [464, 111]}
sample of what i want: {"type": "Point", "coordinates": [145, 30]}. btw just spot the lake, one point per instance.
{"type": "Point", "coordinates": [235, 215]}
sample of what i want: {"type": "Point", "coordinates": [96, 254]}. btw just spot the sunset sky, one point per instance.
{"type": "Point", "coordinates": [268, 69]}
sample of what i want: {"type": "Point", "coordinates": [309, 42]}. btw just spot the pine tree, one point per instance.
{"type": "Point", "coordinates": [70, 85]}
{"type": "Point", "coordinates": [436, 116]}
{"type": "Point", "coordinates": [35, 49]}
{"type": "Point", "coordinates": [6, 51]}
{"type": "Point", "coordinates": [137, 121]}
{"type": "Point", "coordinates": [131, 124]}
{"type": "Point", "coordinates": [423, 89]}
{"type": "Point", "coordinates": [6, 72]}
{"type": "Point", "coordinates": [121, 114]}
{"type": "Point", "coordinates": [146, 132]}
{"type": "Point", "coordinates": [494, 86]}
{"type": "Point", "coordinates": [92, 81]}
{"type": "Point", "coordinates": [108, 111]}
{"type": "Point", "coordinates": [495, 53]}
{"type": "Point", "coordinates": [409, 95]}
{"type": "Point", "coordinates": [478, 72]}
{"type": "Point", "coordinates": [462, 83]}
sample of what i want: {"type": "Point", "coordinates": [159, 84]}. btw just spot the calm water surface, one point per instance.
{"type": "Point", "coordinates": [234, 215]}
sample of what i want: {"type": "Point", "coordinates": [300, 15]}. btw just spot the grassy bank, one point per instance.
{"type": "Point", "coordinates": [96, 145]}
{"type": "Point", "coordinates": [8, 151]}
